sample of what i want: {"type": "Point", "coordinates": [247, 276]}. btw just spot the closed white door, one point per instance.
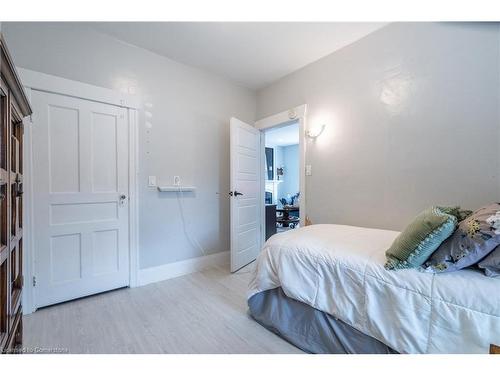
{"type": "Point", "coordinates": [245, 193]}
{"type": "Point", "coordinates": [80, 184]}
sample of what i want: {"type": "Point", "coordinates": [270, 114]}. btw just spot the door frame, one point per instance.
{"type": "Point", "coordinates": [37, 81]}
{"type": "Point", "coordinates": [299, 114]}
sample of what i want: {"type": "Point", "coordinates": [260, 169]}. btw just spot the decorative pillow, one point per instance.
{"type": "Point", "coordinates": [491, 264]}
{"type": "Point", "coordinates": [421, 238]}
{"type": "Point", "coordinates": [475, 238]}
{"type": "Point", "coordinates": [457, 212]}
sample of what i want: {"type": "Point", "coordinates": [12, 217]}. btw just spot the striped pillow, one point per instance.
{"type": "Point", "coordinates": [421, 238]}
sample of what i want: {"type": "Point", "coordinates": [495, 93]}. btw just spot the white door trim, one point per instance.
{"type": "Point", "coordinates": [57, 85]}
{"type": "Point", "coordinates": [47, 83]}
{"type": "Point", "coordinates": [133, 185]}
{"type": "Point", "coordinates": [28, 261]}
{"type": "Point", "coordinates": [299, 114]}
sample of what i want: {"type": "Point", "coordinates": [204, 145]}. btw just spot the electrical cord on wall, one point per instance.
{"type": "Point", "coordinates": [192, 240]}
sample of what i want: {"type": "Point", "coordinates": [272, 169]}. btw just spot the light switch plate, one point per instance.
{"type": "Point", "coordinates": [152, 181]}
{"type": "Point", "coordinates": [309, 170]}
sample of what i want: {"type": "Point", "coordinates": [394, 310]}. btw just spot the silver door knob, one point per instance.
{"type": "Point", "coordinates": [123, 199]}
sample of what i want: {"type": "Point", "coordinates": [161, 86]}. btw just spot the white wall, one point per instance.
{"type": "Point", "coordinates": [190, 133]}
{"type": "Point", "coordinates": [412, 114]}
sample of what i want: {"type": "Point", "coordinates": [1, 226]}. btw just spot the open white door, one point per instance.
{"type": "Point", "coordinates": [245, 194]}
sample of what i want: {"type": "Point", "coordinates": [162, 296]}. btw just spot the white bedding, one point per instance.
{"type": "Point", "coordinates": [339, 269]}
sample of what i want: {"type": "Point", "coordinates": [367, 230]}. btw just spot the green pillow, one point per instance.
{"type": "Point", "coordinates": [457, 212]}
{"type": "Point", "coordinates": [421, 238]}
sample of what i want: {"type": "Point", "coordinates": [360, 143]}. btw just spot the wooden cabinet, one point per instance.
{"type": "Point", "coordinates": [14, 107]}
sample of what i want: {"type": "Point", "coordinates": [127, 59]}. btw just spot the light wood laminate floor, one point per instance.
{"type": "Point", "coordinates": [205, 312]}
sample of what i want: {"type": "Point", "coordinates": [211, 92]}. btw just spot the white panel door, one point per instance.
{"type": "Point", "coordinates": [80, 180]}
{"type": "Point", "coordinates": [245, 193]}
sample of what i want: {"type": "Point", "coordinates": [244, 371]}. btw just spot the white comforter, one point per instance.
{"type": "Point", "coordinates": [339, 269]}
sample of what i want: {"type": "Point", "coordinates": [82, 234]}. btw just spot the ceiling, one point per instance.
{"type": "Point", "coordinates": [253, 54]}
{"type": "Point", "coordinates": [284, 136]}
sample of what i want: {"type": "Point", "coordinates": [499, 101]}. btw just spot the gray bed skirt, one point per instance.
{"type": "Point", "coordinates": [309, 329]}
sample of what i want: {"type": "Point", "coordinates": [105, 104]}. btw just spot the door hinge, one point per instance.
{"type": "Point", "coordinates": [34, 280]}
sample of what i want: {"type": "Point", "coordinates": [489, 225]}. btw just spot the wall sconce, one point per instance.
{"type": "Point", "coordinates": [315, 132]}
{"type": "Point", "coordinates": [279, 172]}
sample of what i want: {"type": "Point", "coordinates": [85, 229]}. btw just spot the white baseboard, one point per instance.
{"type": "Point", "coordinates": [168, 271]}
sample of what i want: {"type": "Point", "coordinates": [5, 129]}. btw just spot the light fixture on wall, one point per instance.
{"type": "Point", "coordinates": [280, 171]}
{"type": "Point", "coordinates": [315, 132]}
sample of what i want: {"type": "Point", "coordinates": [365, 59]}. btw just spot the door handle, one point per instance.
{"type": "Point", "coordinates": [122, 199]}
{"type": "Point", "coordinates": [235, 193]}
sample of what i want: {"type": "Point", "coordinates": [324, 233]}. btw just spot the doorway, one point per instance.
{"type": "Point", "coordinates": [248, 174]}
{"type": "Point", "coordinates": [282, 186]}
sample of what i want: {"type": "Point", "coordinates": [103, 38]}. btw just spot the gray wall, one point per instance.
{"type": "Point", "coordinates": [189, 137]}
{"type": "Point", "coordinates": [412, 115]}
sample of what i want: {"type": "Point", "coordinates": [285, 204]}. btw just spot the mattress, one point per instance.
{"type": "Point", "coordinates": [309, 329]}
{"type": "Point", "coordinates": [340, 270]}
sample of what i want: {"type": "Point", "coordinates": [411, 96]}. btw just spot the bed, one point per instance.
{"type": "Point", "coordinates": [325, 289]}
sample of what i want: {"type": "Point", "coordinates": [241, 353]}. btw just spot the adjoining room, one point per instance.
{"type": "Point", "coordinates": [282, 191]}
